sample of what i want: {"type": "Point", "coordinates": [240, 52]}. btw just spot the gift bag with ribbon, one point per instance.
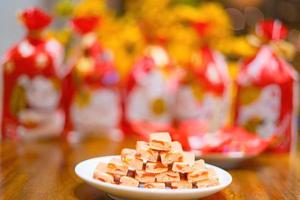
{"type": "Point", "coordinates": [92, 96]}
{"type": "Point", "coordinates": [204, 93]}
{"type": "Point", "coordinates": [267, 90]}
{"type": "Point", "coordinates": [32, 83]}
{"type": "Point", "coordinates": [150, 92]}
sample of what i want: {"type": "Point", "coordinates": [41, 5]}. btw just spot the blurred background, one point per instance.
{"type": "Point", "coordinates": [244, 15]}
{"type": "Point", "coordinates": [190, 36]}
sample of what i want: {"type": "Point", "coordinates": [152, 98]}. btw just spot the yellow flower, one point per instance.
{"type": "Point", "coordinates": [125, 39]}
{"type": "Point", "coordinates": [62, 35]}
{"type": "Point", "coordinates": [64, 8]}
{"type": "Point", "coordinates": [182, 43]}
{"type": "Point", "coordinates": [212, 13]}
{"type": "Point", "coordinates": [237, 46]}
{"type": "Point", "coordinates": [154, 16]}
{"type": "Point", "coordinates": [90, 7]}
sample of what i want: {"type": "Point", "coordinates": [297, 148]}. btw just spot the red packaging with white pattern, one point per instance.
{"type": "Point", "coordinates": [267, 91]}
{"type": "Point", "coordinates": [32, 82]}
{"type": "Point", "coordinates": [92, 95]}
{"type": "Point", "coordinates": [204, 93]}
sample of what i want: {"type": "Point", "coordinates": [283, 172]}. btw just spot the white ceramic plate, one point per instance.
{"type": "Point", "coordinates": [227, 161]}
{"type": "Point", "coordinates": [86, 168]}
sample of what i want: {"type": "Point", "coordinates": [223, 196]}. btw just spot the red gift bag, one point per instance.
{"type": "Point", "coordinates": [92, 96]}
{"type": "Point", "coordinates": [205, 91]}
{"type": "Point", "coordinates": [266, 92]}
{"type": "Point", "coordinates": [150, 93]}
{"type": "Point", "coordinates": [32, 82]}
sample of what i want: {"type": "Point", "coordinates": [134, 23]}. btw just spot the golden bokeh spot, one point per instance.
{"type": "Point", "coordinates": [252, 124]}
{"type": "Point", "coordinates": [41, 60]}
{"type": "Point", "coordinates": [233, 68]}
{"type": "Point", "coordinates": [55, 83]}
{"type": "Point", "coordinates": [9, 66]}
{"type": "Point", "coordinates": [197, 60]}
{"type": "Point", "coordinates": [82, 98]}
{"type": "Point", "coordinates": [197, 91]}
{"type": "Point", "coordinates": [17, 100]}
{"type": "Point", "coordinates": [249, 95]}
{"type": "Point", "coordinates": [158, 106]}
{"type": "Point", "coordinates": [84, 66]}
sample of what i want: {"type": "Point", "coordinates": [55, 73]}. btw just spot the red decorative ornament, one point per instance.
{"type": "Point", "coordinates": [202, 28]}
{"type": "Point", "coordinates": [85, 24]}
{"type": "Point", "coordinates": [35, 19]}
{"type": "Point", "coordinates": [271, 30]}
{"type": "Point", "coordinates": [227, 140]}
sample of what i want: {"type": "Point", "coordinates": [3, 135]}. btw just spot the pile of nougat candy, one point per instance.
{"type": "Point", "coordinates": [160, 163]}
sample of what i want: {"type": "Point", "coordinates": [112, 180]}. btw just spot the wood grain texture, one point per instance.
{"type": "Point", "coordinates": [45, 170]}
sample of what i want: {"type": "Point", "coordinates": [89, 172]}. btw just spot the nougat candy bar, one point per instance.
{"type": "Point", "coordinates": [104, 177]}
{"type": "Point", "coordinates": [186, 165]}
{"type": "Point", "coordinates": [207, 183]}
{"type": "Point", "coordinates": [117, 178]}
{"type": "Point", "coordinates": [183, 184]}
{"type": "Point", "coordinates": [198, 175]}
{"type": "Point", "coordinates": [156, 168]}
{"type": "Point", "coordinates": [160, 141]}
{"type": "Point", "coordinates": [101, 167]}
{"type": "Point", "coordinates": [154, 185]}
{"type": "Point", "coordinates": [115, 166]}
{"type": "Point", "coordinates": [174, 155]}
{"type": "Point", "coordinates": [167, 177]}
{"type": "Point", "coordinates": [144, 177]}
{"type": "Point", "coordinates": [128, 181]}
{"type": "Point", "coordinates": [128, 157]}
{"type": "Point", "coordinates": [143, 152]}
{"type": "Point", "coordinates": [199, 164]}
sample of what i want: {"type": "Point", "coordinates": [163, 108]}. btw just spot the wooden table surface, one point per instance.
{"type": "Point", "coordinates": [45, 170]}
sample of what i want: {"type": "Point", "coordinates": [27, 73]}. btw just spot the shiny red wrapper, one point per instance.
{"type": "Point", "coordinates": [194, 137]}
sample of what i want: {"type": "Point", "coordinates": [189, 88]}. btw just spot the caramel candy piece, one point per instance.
{"type": "Point", "coordinates": [129, 159]}
{"type": "Point", "coordinates": [131, 173]}
{"type": "Point", "coordinates": [115, 166]}
{"type": "Point", "coordinates": [183, 184]}
{"type": "Point", "coordinates": [167, 177]}
{"type": "Point", "coordinates": [127, 153]}
{"type": "Point", "coordinates": [144, 177]}
{"type": "Point", "coordinates": [128, 181]}
{"type": "Point", "coordinates": [188, 157]}
{"type": "Point", "coordinates": [207, 183]}
{"type": "Point", "coordinates": [175, 155]}
{"type": "Point", "coordinates": [160, 141]}
{"type": "Point", "coordinates": [143, 152]}
{"type": "Point", "coordinates": [199, 164]}
{"type": "Point", "coordinates": [186, 165]}
{"type": "Point", "coordinates": [212, 173]}
{"type": "Point", "coordinates": [155, 185]}
{"type": "Point", "coordinates": [104, 177]}
{"type": "Point", "coordinates": [101, 167]}
{"type": "Point", "coordinates": [117, 178]}
{"type": "Point", "coordinates": [198, 175]}
{"type": "Point", "coordinates": [156, 168]}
